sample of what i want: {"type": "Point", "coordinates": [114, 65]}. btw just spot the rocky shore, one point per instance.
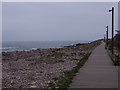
{"type": "Point", "coordinates": [39, 68]}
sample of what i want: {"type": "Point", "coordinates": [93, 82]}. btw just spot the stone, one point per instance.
{"type": "Point", "coordinates": [33, 86]}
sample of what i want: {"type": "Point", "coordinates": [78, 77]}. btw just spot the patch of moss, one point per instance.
{"type": "Point", "coordinates": [73, 54]}
{"type": "Point", "coordinates": [81, 54]}
{"type": "Point", "coordinates": [74, 59]}
{"type": "Point", "coordinates": [56, 55]}
{"type": "Point", "coordinates": [55, 79]}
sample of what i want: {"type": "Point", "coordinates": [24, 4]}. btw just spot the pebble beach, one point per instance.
{"type": "Point", "coordinates": [39, 68]}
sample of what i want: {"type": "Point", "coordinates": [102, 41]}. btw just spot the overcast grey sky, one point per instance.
{"type": "Point", "coordinates": [41, 21]}
{"type": "Point", "coordinates": [119, 15]}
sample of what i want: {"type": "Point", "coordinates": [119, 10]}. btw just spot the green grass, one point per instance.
{"type": "Point", "coordinates": [115, 60]}
{"type": "Point", "coordinates": [74, 59]}
{"type": "Point", "coordinates": [81, 54]}
{"type": "Point", "coordinates": [66, 80]}
{"type": "Point", "coordinates": [73, 54]}
{"type": "Point", "coordinates": [56, 55]}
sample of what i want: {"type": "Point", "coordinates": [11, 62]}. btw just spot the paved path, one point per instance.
{"type": "Point", "coordinates": [98, 72]}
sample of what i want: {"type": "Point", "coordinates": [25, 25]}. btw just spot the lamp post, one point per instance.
{"type": "Point", "coordinates": [112, 29]}
{"type": "Point", "coordinates": [107, 36]}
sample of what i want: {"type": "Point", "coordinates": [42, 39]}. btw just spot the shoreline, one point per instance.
{"type": "Point", "coordinates": [32, 49]}
{"type": "Point", "coordinates": [37, 68]}
{"type": "Point", "coordinates": [24, 48]}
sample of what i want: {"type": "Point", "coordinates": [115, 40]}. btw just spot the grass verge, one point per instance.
{"type": "Point", "coordinates": [64, 81]}
{"type": "Point", "coordinates": [115, 60]}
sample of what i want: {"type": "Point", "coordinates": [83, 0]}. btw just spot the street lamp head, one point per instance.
{"type": "Point", "coordinates": [110, 10]}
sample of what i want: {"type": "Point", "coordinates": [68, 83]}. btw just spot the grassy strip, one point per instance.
{"type": "Point", "coordinates": [112, 58]}
{"type": "Point", "coordinates": [66, 80]}
{"type": "Point", "coordinates": [115, 60]}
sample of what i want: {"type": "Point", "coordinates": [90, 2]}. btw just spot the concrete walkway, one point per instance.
{"type": "Point", "coordinates": [98, 72]}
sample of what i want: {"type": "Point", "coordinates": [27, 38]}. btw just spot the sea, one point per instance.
{"type": "Point", "coordinates": [33, 45]}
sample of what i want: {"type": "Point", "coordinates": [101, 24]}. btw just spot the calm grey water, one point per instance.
{"type": "Point", "coordinates": [29, 45]}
